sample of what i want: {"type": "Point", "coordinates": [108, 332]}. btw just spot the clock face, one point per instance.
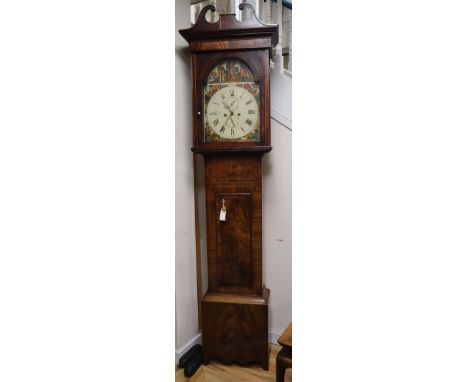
{"type": "Point", "coordinates": [231, 103]}
{"type": "Point", "coordinates": [232, 112]}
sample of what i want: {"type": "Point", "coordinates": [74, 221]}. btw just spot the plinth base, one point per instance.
{"type": "Point", "coordinates": [235, 328]}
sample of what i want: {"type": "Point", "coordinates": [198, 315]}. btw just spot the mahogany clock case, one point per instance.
{"type": "Point", "coordinates": [235, 308]}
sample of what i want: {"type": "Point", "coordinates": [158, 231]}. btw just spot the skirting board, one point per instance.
{"type": "Point", "coordinates": [198, 340]}
{"type": "Point", "coordinates": [274, 337]}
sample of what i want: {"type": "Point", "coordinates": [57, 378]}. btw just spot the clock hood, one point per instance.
{"type": "Point", "coordinates": [228, 27]}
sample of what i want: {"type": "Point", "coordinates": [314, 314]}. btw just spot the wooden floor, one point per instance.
{"type": "Point", "coordinates": [217, 372]}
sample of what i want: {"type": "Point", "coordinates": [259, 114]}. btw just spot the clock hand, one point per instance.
{"type": "Point", "coordinates": [227, 119]}
{"type": "Point", "coordinates": [226, 106]}
{"type": "Point", "coordinates": [229, 107]}
{"type": "Point", "coordinates": [233, 124]}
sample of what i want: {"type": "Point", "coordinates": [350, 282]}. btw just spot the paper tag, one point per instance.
{"type": "Point", "coordinates": [222, 215]}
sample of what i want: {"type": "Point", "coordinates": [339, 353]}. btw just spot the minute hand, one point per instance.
{"type": "Point", "coordinates": [232, 121]}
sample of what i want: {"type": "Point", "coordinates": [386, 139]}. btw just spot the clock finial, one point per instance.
{"type": "Point", "coordinates": [204, 11]}
{"type": "Point", "coordinates": [248, 13]}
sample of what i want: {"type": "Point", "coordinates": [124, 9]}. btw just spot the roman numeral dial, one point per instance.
{"type": "Point", "coordinates": [232, 112]}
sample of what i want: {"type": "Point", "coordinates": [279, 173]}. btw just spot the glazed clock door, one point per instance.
{"type": "Point", "coordinates": [231, 103]}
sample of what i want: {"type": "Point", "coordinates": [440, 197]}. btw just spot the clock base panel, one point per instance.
{"type": "Point", "coordinates": [235, 328]}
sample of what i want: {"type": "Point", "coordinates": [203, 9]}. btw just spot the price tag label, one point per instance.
{"type": "Point", "coordinates": [222, 214]}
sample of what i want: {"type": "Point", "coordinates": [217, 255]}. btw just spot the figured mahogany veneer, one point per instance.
{"type": "Point", "coordinates": [235, 328]}
{"type": "Point", "coordinates": [233, 240]}
{"type": "Point", "coordinates": [234, 246]}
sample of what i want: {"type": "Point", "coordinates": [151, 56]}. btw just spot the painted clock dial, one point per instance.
{"type": "Point", "coordinates": [231, 103]}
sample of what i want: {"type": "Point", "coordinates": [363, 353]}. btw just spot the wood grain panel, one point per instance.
{"type": "Point", "coordinates": [230, 44]}
{"type": "Point", "coordinates": [235, 332]}
{"type": "Point", "coordinates": [233, 239]}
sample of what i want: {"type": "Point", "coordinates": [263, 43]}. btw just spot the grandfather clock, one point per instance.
{"type": "Point", "coordinates": [231, 129]}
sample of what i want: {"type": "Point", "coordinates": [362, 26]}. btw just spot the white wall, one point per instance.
{"type": "Point", "coordinates": [185, 256]}
{"type": "Point", "coordinates": [281, 97]}
{"type": "Point", "coordinates": [277, 227]}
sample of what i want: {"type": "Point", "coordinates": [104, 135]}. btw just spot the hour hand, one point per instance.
{"type": "Point", "coordinates": [226, 106]}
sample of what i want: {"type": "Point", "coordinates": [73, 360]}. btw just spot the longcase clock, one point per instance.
{"type": "Point", "coordinates": [231, 129]}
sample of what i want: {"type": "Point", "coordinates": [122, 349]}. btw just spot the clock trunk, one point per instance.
{"type": "Point", "coordinates": [234, 246]}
